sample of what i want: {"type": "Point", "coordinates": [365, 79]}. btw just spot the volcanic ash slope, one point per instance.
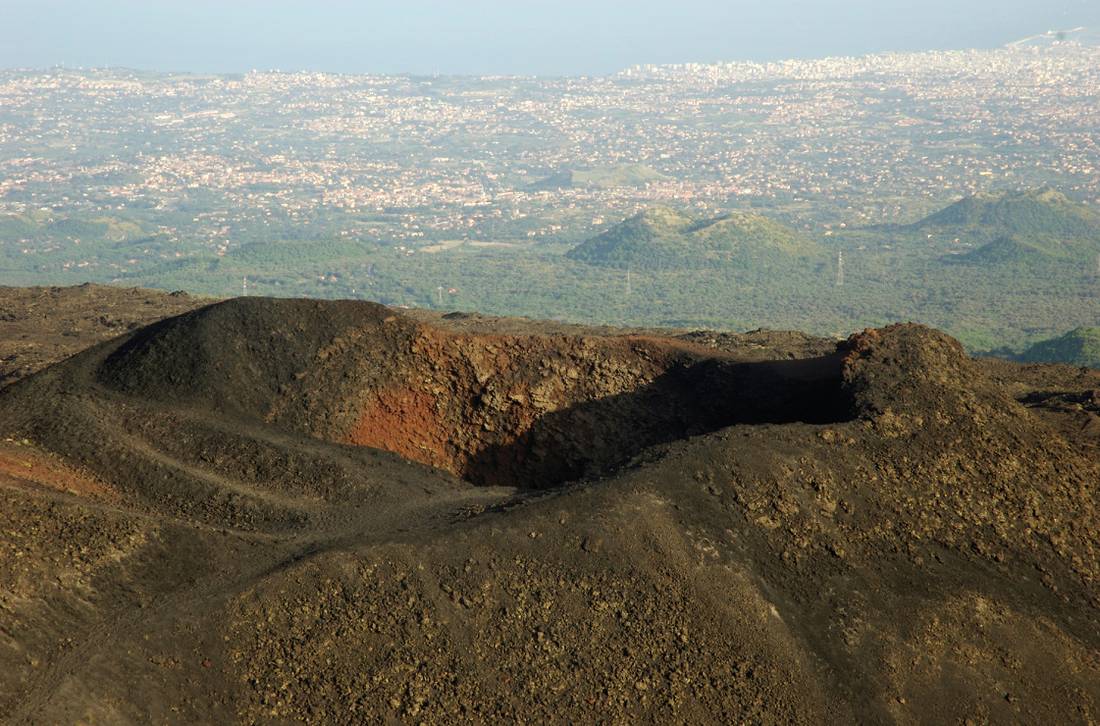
{"type": "Point", "coordinates": [282, 510]}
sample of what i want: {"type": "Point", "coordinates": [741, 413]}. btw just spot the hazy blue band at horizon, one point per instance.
{"type": "Point", "coordinates": [568, 37]}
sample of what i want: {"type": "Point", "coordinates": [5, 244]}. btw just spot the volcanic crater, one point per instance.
{"type": "Point", "coordinates": [528, 411]}
{"type": "Point", "coordinates": [337, 512]}
{"type": "Point", "coordinates": [537, 412]}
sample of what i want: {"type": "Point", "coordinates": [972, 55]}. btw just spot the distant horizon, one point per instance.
{"type": "Point", "coordinates": [496, 38]}
{"type": "Point", "coordinates": [415, 74]}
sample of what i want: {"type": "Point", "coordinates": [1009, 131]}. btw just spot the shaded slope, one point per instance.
{"type": "Point", "coordinates": [1080, 347]}
{"type": "Point", "coordinates": [886, 526]}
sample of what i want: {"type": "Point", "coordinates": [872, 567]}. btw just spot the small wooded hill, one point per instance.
{"type": "Point", "coordinates": [1005, 251]}
{"type": "Point", "coordinates": [1013, 227]}
{"type": "Point", "coordinates": [1079, 347]}
{"type": "Point", "coordinates": [664, 238]}
{"type": "Point", "coordinates": [608, 177]}
{"type": "Point", "coordinates": [16, 228]}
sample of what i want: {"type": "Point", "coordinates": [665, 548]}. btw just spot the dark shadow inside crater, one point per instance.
{"type": "Point", "coordinates": [595, 437]}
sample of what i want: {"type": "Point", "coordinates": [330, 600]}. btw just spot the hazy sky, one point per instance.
{"type": "Point", "coordinates": [500, 36]}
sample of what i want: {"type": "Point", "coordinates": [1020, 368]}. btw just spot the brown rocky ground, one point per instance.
{"type": "Point", "coordinates": [333, 512]}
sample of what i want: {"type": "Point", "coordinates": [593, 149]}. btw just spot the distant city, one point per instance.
{"type": "Point", "coordinates": [848, 139]}
{"type": "Point", "coordinates": [115, 175]}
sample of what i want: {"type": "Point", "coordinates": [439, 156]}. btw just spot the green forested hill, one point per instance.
{"type": "Point", "coordinates": [1080, 347]}
{"type": "Point", "coordinates": [664, 238]}
{"type": "Point", "coordinates": [663, 267]}
{"type": "Point", "coordinates": [1010, 250]}
{"type": "Point", "coordinates": [1033, 213]}
{"type": "Point", "coordinates": [608, 177]}
{"type": "Point", "coordinates": [15, 228]}
{"type": "Point", "coordinates": [1011, 227]}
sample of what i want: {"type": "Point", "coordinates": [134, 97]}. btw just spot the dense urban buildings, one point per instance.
{"type": "Point", "coordinates": [852, 140]}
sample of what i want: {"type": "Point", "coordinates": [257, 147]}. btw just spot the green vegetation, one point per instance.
{"type": "Point", "coordinates": [1014, 227]}
{"type": "Point", "coordinates": [1008, 251]}
{"type": "Point", "coordinates": [45, 227]}
{"type": "Point", "coordinates": [1039, 211]}
{"type": "Point", "coordinates": [14, 227]}
{"type": "Point", "coordinates": [1079, 347]}
{"type": "Point", "coordinates": [624, 175]}
{"type": "Point", "coordinates": [663, 238]}
{"type": "Point", "coordinates": [663, 267]}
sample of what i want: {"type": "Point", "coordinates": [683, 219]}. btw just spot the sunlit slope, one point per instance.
{"type": "Point", "coordinates": [664, 238]}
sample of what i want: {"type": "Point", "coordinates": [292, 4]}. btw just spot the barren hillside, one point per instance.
{"type": "Point", "coordinates": [335, 512]}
